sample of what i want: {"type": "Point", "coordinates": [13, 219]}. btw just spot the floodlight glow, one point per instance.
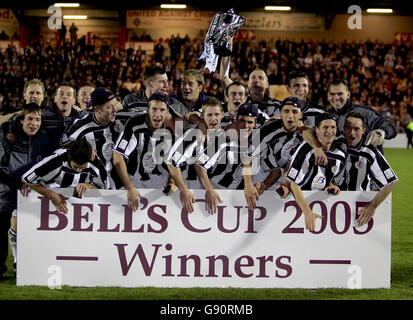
{"type": "Point", "coordinates": [173, 6]}
{"type": "Point", "coordinates": [277, 8]}
{"type": "Point", "coordinates": [74, 17]}
{"type": "Point", "coordinates": [67, 5]}
{"type": "Point", "coordinates": [373, 10]}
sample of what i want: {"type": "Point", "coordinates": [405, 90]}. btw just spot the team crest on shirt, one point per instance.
{"type": "Point", "coordinates": [389, 173]}
{"type": "Point", "coordinates": [123, 144]}
{"type": "Point", "coordinates": [358, 164]}
{"type": "Point", "coordinates": [292, 173]}
{"type": "Point", "coordinates": [334, 169]}
{"type": "Point", "coordinates": [307, 122]}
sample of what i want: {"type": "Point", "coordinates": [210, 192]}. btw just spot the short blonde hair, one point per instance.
{"type": "Point", "coordinates": [194, 73]}
{"type": "Point", "coordinates": [212, 102]}
{"type": "Point", "coordinates": [34, 81]}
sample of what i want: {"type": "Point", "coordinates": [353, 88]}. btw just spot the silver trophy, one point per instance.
{"type": "Point", "coordinates": [216, 40]}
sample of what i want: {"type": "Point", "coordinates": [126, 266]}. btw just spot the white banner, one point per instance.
{"type": "Point", "coordinates": [100, 242]}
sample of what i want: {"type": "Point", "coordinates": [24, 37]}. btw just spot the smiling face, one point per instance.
{"type": "Point", "coordinates": [212, 116]}
{"type": "Point", "coordinates": [31, 123]}
{"type": "Point", "coordinates": [290, 116]}
{"type": "Point", "coordinates": [34, 93]}
{"type": "Point", "coordinates": [157, 112]}
{"type": "Point", "coordinates": [298, 87]}
{"type": "Point", "coordinates": [326, 132]}
{"type": "Point", "coordinates": [190, 88]}
{"type": "Point", "coordinates": [157, 83]}
{"type": "Point", "coordinates": [65, 99]}
{"type": "Point", "coordinates": [353, 130]}
{"type": "Point", "coordinates": [338, 96]}
{"type": "Point", "coordinates": [83, 96]}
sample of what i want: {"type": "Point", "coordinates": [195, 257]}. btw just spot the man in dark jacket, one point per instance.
{"type": "Point", "coordinates": [155, 80]}
{"type": "Point", "coordinates": [378, 128]}
{"type": "Point", "coordinates": [28, 146]}
{"type": "Point", "coordinates": [58, 117]}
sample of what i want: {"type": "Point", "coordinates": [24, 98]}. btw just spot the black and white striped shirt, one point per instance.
{"type": "Point", "coordinates": [277, 143]}
{"type": "Point", "coordinates": [269, 106]}
{"type": "Point", "coordinates": [100, 137]}
{"type": "Point", "coordinates": [308, 176]}
{"type": "Point", "coordinates": [144, 152]}
{"type": "Point", "coordinates": [311, 112]}
{"type": "Point", "coordinates": [184, 153]}
{"type": "Point", "coordinates": [55, 172]}
{"type": "Point", "coordinates": [366, 164]}
{"type": "Point", "coordinates": [223, 161]}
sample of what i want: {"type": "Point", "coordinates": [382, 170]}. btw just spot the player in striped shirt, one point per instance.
{"type": "Point", "coordinates": [279, 139]}
{"type": "Point", "coordinates": [185, 151]}
{"type": "Point", "coordinates": [257, 87]}
{"type": "Point", "coordinates": [298, 86]}
{"type": "Point", "coordinates": [66, 168]}
{"type": "Point", "coordinates": [235, 95]}
{"type": "Point", "coordinates": [225, 164]}
{"type": "Point", "coordinates": [98, 128]}
{"type": "Point", "coordinates": [304, 174]}
{"type": "Point", "coordinates": [364, 164]}
{"type": "Point", "coordinates": [141, 148]}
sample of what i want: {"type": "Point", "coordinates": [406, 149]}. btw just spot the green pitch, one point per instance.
{"type": "Point", "coordinates": [402, 265]}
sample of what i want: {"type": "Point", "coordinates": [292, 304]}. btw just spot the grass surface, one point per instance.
{"type": "Point", "coordinates": [402, 266]}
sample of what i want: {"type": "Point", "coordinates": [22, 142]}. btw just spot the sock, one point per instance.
{"type": "Point", "coordinates": [13, 243]}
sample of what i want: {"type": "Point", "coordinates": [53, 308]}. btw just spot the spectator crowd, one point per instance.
{"type": "Point", "coordinates": [380, 75]}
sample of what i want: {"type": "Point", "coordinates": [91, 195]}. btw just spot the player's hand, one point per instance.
{"type": "Point", "coordinates": [77, 108]}
{"type": "Point", "coordinates": [81, 189]}
{"type": "Point", "coordinates": [261, 187]}
{"type": "Point", "coordinates": [332, 189]}
{"type": "Point", "coordinates": [375, 137]}
{"type": "Point", "coordinates": [211, 200]}
{"type": "Point", "coordinates": [310, 219]}
{"type": "Point", "coordinates": [170, 188]}
{"type": "Point", "coordinates": [365, 214]}
{"type": "Point", "coordinates": [133, 197]}
{"type": "Point", "coordinates": [187, 199]}
{"type": "Point", "coordinates": [251, 196]}
{"type": "Point", "coordinates": [118, 105]}
{"type": "Point", "coordinates": [320, 157]}
{"type": "Point", "coordinates": [25, 190]}
{"type": "Point", "coordinates": [285, 190]}
{"type": "Point", "coordinates": [59, 201]}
